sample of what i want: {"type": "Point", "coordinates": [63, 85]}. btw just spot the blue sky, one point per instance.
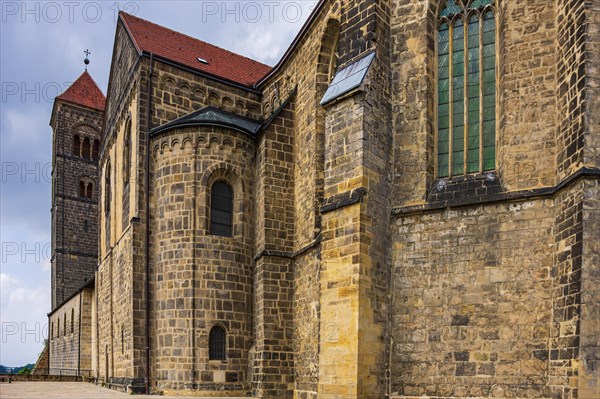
{"type": "Point", "coordinates": [41, 53]}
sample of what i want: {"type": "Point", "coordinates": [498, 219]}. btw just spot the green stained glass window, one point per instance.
{"type": "Point", "coordinates": [474, 98]}
{"type": "Point", "coordinates": [443, 99]}
{"type": "Point", "coordinates": [458, 98]}
{"type": "Point", "coordinates": [466, 132]}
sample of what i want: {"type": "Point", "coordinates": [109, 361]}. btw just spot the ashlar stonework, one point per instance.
{"type": "Point", "coordinates": [344, 267]}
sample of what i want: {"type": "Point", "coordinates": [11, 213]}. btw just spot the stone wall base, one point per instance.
{"type": "Point", "coordinates": [128, 385]}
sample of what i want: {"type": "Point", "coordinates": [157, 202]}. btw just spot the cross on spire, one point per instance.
{"type": "Point", "coordinates": [86, 61]}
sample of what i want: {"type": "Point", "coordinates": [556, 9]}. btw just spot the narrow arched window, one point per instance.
{"type": "Point", "coordinates": [466, 85]}
{"type": "Point", "coordinates": [82, 189]}
{"type": "Point", "coordinates": [72, 321]}
{"type": "Point", "coordinates": [89, 190]}
{"type": "Point", "coordinates": [52, 330]}
{"type": "Point", "coordinates": [333, 59]}
{"type": "Point", "coordinates": [221, 209]}
{"type": "Point", "coordinates": [127, 152]}
{"type": "Point", "coordinates": [216, 344]}
{"type": "Point", "coordinates": [76, 146]}
{"type": "Point", "coordinates": [95, 149]}
{"type": "Point", "coordinates": [107, 189]}
{"type": "Point", "coordinates": [86, 148]}
{"type": "Point", "coordinates": [65, 324]}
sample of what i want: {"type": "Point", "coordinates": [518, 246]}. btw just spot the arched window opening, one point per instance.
{"type": "Point", "coordinates": [221, 209]}
{"type": "Point", "coordinates": [72, 321]}
{"type": "Point", "coordinates": [52, 330]}
{"type": "Point", "coordinates": [96, 150]}
{"type": "Point", "coordinates": [127, 153]}
{"type": "Point", "coordinates": [82, 189]}
{"type": "Point", "coordinates": [216, 344]}
{"type": "Point", "coordinates": [333, 59]}
{"type": "Point", "coordinates": [107, 189]}
{"type": "Point", "coordinates": [76, 146]}
{"type": "Point", "coordinates": [107, 205]}
{"type": "Point", "coordinates": [466, 86]}
{"type": "Point", "coordinates": [122, 339]}
{"type": "Point", "coordinates": [86, 150]}
{"type": "Point", "coordinates": [89, 190]}
{"type": "Point", "coordinates": [65, 324]}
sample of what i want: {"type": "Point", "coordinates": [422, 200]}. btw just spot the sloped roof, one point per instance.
{"type": "Point", "coordinates": [186, 50]}
{"type": "Point", "coordinates": [84, 91]}
{"type": "Point", "coordinates": [212, 116]}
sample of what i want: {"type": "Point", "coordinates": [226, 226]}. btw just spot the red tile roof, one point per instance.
{"type": "Point", "coordinates": [185, 50]}
{"type": "Point", "coordinates": [84, 91]}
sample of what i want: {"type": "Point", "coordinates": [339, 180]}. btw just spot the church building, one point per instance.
{"type": "Point", "coordinates": [406, 205]}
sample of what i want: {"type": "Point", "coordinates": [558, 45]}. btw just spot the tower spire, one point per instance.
{"type": "Point", "coordinates": [86, 61]}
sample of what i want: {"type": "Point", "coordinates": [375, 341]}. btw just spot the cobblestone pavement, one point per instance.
{"type": "Point", "coordinates": [66, 390]}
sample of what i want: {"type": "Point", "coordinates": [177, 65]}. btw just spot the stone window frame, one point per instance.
{"type": "Point", "coordinates": [72, 320]}
{"type": "Point", "coordinates": [86, 187]}
{"type": "Point", "coordinates": [81, 133]}
{"type": "Point", "coordinates": [434, 10]}
{"type": "Point", "coordinates": [107, 205]}
{"type": "Point", "coordinates": [212, 229]}
{"type": "Point", "coordinates": [222, 349]}
{"type": "Point", "coordinates": [127, 153]}
{"type": "Point", "coordinates": [230, 174]}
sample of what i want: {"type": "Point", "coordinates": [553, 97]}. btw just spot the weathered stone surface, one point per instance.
{"type": "Point", "coordinates": [353, 271]}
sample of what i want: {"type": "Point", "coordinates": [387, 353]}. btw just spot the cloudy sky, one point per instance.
{"type": "Point", "coordinates": [41, 53]}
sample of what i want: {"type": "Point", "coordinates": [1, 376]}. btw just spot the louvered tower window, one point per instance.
{"type": "Point", "coordinates": [466, 78]}
{"type": "Point", "coordinates": [216, 344]}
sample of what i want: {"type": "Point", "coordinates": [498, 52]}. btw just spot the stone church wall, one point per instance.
{"type": "Point", "coordinates": [70, 340]}
{"type": "Point", "coordinates": [200, 280]}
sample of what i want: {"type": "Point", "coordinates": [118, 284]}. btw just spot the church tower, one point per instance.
{"type": "Point", "coordinates": [77, 122]}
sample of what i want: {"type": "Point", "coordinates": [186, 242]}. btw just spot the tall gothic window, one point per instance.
{"type": "Point", "coordinates": [221, 209]}
{"type": "Point", "coordinates": [466, 108]}
{"type": "Point", "coordinates": [127, 152]}
{"type": "Point", "coordinates": [107, 189]}
{"type": "Point", "coordinates": [216, 344]}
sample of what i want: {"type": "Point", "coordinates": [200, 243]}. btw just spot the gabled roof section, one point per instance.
{"type": "Point", "coordinates": [84, 91]}
{"type": "Point", "coordinates": [211, 116]}
{"type": "Point", "coordinates": [186, 50]}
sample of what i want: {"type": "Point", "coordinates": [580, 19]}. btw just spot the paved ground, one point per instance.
{"type": "Point", "coordinates": [65, 390]}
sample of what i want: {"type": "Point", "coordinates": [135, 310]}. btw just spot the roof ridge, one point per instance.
{"type": "Point", "coordinates": [189, 36]}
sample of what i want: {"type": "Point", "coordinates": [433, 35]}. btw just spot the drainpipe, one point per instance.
{"type": "Point", "coordinates": [49, 342]}
{"type": "Point", "coordinates": [147, 184]}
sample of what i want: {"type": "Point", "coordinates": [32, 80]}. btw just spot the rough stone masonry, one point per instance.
{"type": "Point", "coordinates": [349, 266]}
